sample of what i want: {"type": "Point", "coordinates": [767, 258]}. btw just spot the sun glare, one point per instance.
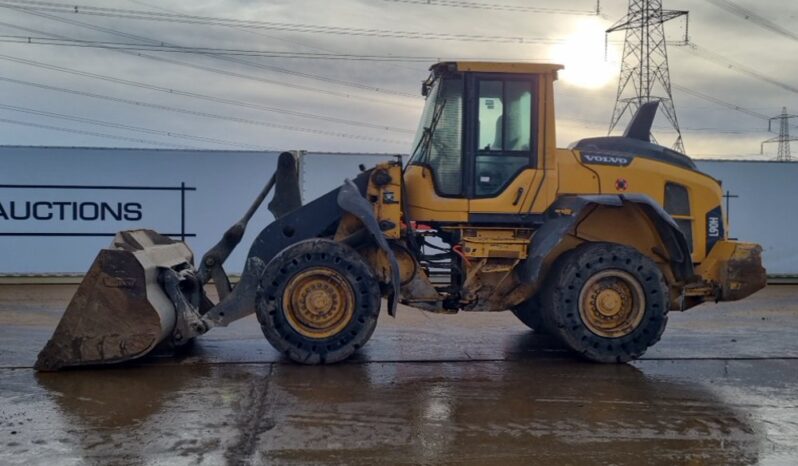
{"type": "Point", "coordinates": [582, 53]}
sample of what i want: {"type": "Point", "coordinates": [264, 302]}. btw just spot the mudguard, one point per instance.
{"type": "Point", "coordinates": [351, 200]}
{"type": "Point", "coordinates": [564, 215]}
{"type": "Point", "coordinates": [317, 218]}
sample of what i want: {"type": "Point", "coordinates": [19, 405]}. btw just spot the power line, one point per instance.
{"type": "Point", "coordinates": [248, 31]}
{"type": "Point", "coordinates": [275, 37]}
{"type": "Point", "coordinates": [705, 97]}
{"type": "Point", "coordinates": [703, 53]}
{"type": "Point", "coordinates": [699, 51]}
{"type": "Point", "coordinates": [499, 7]}
{"type": "Point", "coordinates": [236, 52]}
{"type": "Point", "coordinates": [277, 69]}
{"type": "Point", "coordinates": [719, 102]}
{"type": "Point", "coordinates": [194, 95]}
{"type": "Point", "coordinates": [723, 103]}
{"type": "Point", "coordinates": [710, 157]}
{"type": "Point", "coordinates": [137, 129]}
{"type": "Point", "coordinates": [198, 113]}
{"type": "Point", "coordinates": [746, 14]}
{"type": "Point", "coordinates": [182, 63]}
{"type": "Point", "coordinates": [685, 90]}
{"type": "Point", "coordinates": [722, 131]}
{"type": "Point", "coordinates": [229, 59]}
{"type": "Point", "coordinates": [597, 124]}
{"type": "Point", "coordinates": [92, 133]}
{"type": "Point", "coordinates": [679, 88]}
{"type": "Point", "coordinates": [751, 16]}
{"type": "Point", "coordinates": [303, 28]}
{"type": "Point", "coordinates": [719, 59]}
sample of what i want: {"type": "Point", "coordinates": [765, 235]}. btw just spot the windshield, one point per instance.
{"type": "Point", "coordinates": [424, 125]}
{"type": "Point", "coordinates": [438, 143]}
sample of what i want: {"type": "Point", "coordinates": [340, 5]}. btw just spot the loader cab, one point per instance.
{"type": "Point", "coordinates": [482, 144]}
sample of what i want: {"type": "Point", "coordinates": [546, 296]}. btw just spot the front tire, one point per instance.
{"type": "Point", "coordinates": [607, 302]}
{"type": "Point", "coordinates": [318, 302]}
{"type": "Point", "coordinates": [529, 312]}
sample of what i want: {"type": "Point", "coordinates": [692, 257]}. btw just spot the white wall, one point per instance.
{"type": "Point", "coordinates": [227, 181]}
{"type": "Point", "coordinates": [322, 172]}
{"type": "Point", "coordinates": [766, 211]}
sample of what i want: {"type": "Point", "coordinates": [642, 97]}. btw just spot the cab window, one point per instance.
{"type": "Point", "coordinates": [504, 139]}
{"type": "Point", "coordinates": [439, 143]}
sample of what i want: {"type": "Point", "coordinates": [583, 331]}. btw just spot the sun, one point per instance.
{"type": "Point", "coordinates": [583, 55]}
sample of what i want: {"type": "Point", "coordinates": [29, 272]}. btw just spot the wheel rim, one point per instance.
{"type": "Point", "coordinates": [318, 303]}
{"type": "Point", "coordinates": [612, 303]}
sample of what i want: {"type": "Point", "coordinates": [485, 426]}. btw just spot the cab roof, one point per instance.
{"type": "Point", "coordinates": [497, 67]}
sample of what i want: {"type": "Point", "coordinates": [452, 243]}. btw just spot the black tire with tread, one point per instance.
{"type": "Point", "coordinates": [530, 314]}
{"type": "Point", "coordinates": [560, 300]}
{"type": "Point", "coordinates": [302, 256]}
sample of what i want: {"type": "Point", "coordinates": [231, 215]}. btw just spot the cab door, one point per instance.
{"type": "Point", "coordinates": [502, 144]}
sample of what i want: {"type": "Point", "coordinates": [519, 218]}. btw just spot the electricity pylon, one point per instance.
{"type": "Point", "coordinates": [783, 138]}
{"type": "Point", "coordinates": [645, 76]}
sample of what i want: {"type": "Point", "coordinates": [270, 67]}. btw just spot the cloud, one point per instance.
{"type": "Point", "coordinates": [340, 89]}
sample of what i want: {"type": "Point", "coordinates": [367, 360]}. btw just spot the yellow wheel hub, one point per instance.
{"type": "Point", "coordinates": [609, 302]}
{"type": "Point", "coordinates": [318, 303]}
{"type": "Point", "coordinates": [612, 303]}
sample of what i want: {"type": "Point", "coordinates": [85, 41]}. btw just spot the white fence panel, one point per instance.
{"type": "Point", "coordinates": [764, 210]}
{"type": "Point", "coordinates": [59, 206]}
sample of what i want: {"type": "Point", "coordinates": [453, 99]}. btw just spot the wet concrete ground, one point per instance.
{"type": "Point", "coordinates": [720, 388]}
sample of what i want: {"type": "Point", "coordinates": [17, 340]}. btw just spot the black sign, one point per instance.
{"type": "Point", "coordinates": [715, 231]}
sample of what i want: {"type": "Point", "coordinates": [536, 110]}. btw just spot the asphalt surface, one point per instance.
{"type": "Point", "coordinates": [720, 388]}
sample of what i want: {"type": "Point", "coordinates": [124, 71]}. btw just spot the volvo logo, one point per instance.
{"type": "Point", "coordinates": [604, 159]}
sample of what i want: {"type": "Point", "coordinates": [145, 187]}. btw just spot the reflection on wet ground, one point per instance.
{"type": "Point", "coordinates": [534, 405]}
{"type": "Point", "coordinates": [552, 411]}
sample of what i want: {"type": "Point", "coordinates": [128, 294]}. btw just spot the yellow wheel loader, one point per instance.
{"type": "Point", "coordinates": [594, 244]}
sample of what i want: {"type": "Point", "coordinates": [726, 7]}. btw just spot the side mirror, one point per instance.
{"type": "Point", "coordinates": [426, 85]}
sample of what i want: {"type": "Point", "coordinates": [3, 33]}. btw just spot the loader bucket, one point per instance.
{"type": "Point", "coordinates": [119, 312]}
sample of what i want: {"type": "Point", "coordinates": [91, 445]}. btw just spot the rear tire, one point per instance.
{"type": "Point", "coordinates": [318, 302]}
{"type": "Point", "coordinates": [607, 302]}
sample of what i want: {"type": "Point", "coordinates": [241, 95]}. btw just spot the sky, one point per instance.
{"type": "Point", "coordinates": [59, 95]}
